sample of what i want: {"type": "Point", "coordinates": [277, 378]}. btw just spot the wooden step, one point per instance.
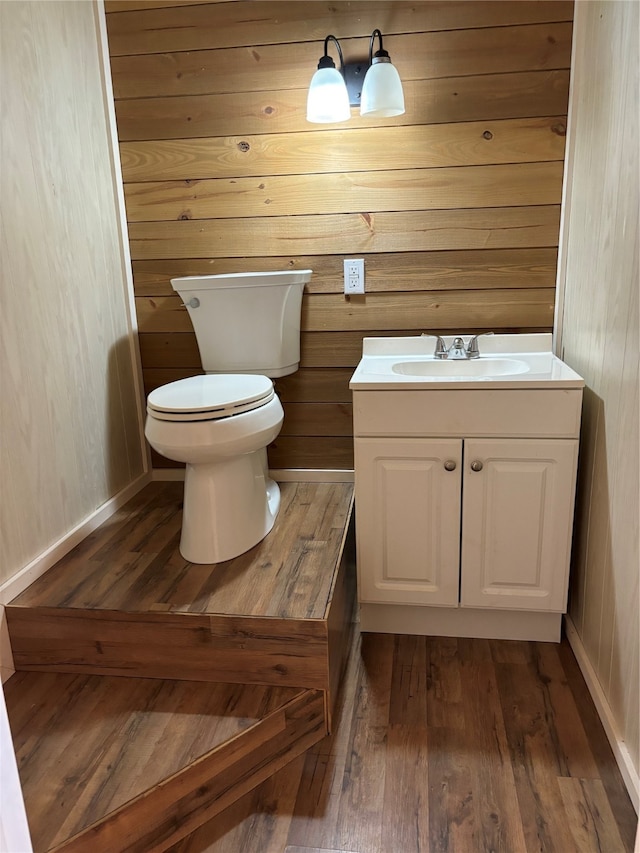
{"type": "Point", "coordinates": [125, 602]}
{"type": "Point", "coordinates": [135, 764]}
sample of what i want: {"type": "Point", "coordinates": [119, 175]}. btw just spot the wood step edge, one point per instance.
{"type": "Point", "coordinates": [184, 646]}
{"type": "Point", "coordinates": [164, 814]}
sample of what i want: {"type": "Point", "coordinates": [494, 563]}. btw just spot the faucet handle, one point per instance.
{"type": "Point", "coordinates": [441, 348]}
{"type": "Point", "coordinates": [472, 348]}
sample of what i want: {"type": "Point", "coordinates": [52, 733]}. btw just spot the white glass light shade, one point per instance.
{"type": "Point", "coordinates": [328, 100]}
{"type": "Point", "coordinates": [382, 93]}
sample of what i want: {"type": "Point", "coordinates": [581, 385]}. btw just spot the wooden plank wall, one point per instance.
{"type": "Point", "coordinates": [600, 339]}
{"type": "Point", "coordinates": [455, 205]}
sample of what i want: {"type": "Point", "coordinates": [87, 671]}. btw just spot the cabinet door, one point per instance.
{"type": "Point", "coordinates": [408, 520]}
{"type": "Point", "coordinates": [517, 513]}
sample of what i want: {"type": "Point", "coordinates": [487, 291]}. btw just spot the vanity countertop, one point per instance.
{"type": "Point", "coordinates": [506, 361]}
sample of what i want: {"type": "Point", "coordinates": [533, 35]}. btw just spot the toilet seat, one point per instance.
{"type": "Point", "coordinates": [210, 397]}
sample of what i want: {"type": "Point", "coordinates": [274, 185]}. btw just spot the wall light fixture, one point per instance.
{"type": "Point", "coordinates": [332, 93]}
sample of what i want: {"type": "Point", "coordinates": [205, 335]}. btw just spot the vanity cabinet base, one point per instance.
{"type": "Point", "coordinates": [461, 622]}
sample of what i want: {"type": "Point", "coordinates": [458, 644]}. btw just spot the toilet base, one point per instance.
{"type": "Point", "coordinates": [229, 506]}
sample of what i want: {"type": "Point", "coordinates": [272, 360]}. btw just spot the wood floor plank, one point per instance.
{"type": "Point", "coordinates": [406, 790]}
{"type": "Point", "coordinates": [536, 762]}
{"type": "Point", "coordinates": [451, 806]}
{"type": "Point", "coordinates": [290, 849]}
{"type": "Point", "coordinates": [409, 682]}
{"type": "Point", "coordinates": [496, 815]}
{"type": "Point", "coordinates": [247, 650]}
{"type": "Point", "coordinates": [589, 816]}
{"type": "Point", "coordinates": [572, 740]}
{"type": "Point", "coordinates": [444, 685]}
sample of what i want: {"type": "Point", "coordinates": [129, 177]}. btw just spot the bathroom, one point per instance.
{"type": "Point", "coordinates": [73, 416]}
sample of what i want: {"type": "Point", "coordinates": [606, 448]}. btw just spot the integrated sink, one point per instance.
{"type": "Point", "coordinates": [506, 361]}
{"type": "Point", "coordinates": [462, 367]}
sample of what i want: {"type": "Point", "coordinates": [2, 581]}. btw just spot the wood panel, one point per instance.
{"type": "Point", "coordinates": [315, 386]}
{"type": "Point", "coordinates": [415, 147]}
{"type": "Point", "coordinates": [444, 100]}
{"type": "Point", "coordinates": [172, 29]}
{"type": "Point", "coordinates": [455, 204]}
{"type": "Point", "coordinates": [132, 5]}
{"type": "Point", "coordinates": [312, 452]}
{"type": "Point", "coordinates": [600, 271]}
{"type": "Point", "coordinates": [398, 271]}
{"type": "Point", "coordinates": [417, 56]}
{"type": "Point", "coordinates": [313, 419]}
{"type": "Point", "coordinates": [492, 228]}
{"type": "Point", "coordinates": [415, 189]}
{"type": "Point", "coordinates": [70, 401]}
{"type": "Point", "coordinates": [326, 312]}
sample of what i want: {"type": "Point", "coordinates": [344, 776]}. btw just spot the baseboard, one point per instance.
{"type": "Point", "coordinates": [620, 751]}
{"type": "Point", "coordinates": [280, 475]}
{"type": "Point", "coordinates": [37, 567]}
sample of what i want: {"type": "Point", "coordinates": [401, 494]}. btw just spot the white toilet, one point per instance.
{"type": "Point", "coordinates": [248, 329]}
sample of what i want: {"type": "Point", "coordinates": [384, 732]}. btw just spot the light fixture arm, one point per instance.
{"type": "Point", "coordinates": [381, 51]}
{"type": "Point", "coordinates": [381, 54]}
{"type": "Point", "coordinates": [326, 61]}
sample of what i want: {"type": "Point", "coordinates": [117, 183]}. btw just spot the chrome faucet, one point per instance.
{"type": "Point", "coordinates": [472, 349]}
{"type": "Point", "coordinates": [457, 350]}
{"type": "Point", "coordinates": [441, 348]}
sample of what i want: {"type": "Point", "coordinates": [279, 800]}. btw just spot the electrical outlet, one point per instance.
{"type": "Point", "coordinates": [353, 275]}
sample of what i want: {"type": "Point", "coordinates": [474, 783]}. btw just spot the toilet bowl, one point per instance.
{"type": "Point", "coordinates": [219, 425]}
{"type": "Point", "coordinates": [247, 326]}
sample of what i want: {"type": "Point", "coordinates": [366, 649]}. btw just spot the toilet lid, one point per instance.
{"type": "Point", "coordinates": [210, 397]}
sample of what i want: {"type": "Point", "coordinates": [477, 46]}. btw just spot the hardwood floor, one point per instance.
{"type": "Point", "coordinates": [443, 746]}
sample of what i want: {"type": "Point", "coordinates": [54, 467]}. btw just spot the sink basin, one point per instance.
{"type": "Point", "coordinates": [506, 361]}
{"type": "Point", "coordinates": [462, 367]}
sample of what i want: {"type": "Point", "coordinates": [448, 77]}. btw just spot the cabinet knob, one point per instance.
{"type": "Point", "coordinates": [476, 465]}
{"type": "Point", "coordinates": [450, 465]}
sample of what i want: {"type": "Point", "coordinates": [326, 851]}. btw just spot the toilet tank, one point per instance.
{"type": "Point", "coordinates": [246, 322]}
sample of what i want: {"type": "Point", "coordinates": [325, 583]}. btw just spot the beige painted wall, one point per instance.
{"type": "Point", "coordinates": [600, 340]}
{"type": "Point", "coordinates": [69, 418]}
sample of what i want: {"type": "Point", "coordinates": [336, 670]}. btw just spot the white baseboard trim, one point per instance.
{"type": "Point", "coordinates": [620, 751]}
{"type": "Point", "coordinates": [37, 567]}
{"type": "Point", "coordinates": [280, 475]}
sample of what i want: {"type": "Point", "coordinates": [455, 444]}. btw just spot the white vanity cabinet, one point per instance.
{"type": "Point", "coordinates": [480, 523]}
{"type": "Point", "coordinates": [464, 509]}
